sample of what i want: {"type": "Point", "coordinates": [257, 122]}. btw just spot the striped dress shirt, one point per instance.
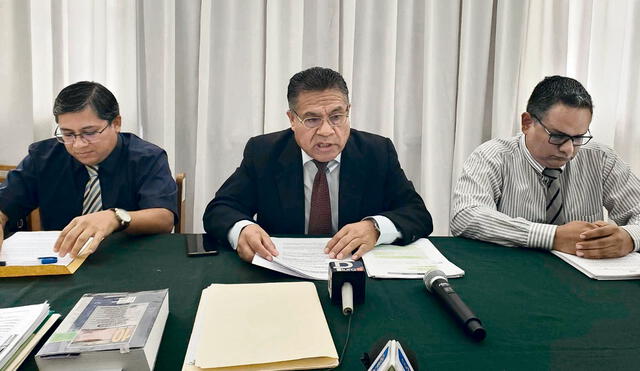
{"type": "Point", "coordinates": [501, 194]}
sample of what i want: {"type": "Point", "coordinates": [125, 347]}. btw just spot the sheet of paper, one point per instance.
{"type": "Point", "coordinates": [299, 257]}
{"type": "Point", "coordinates": [626, 267]}
{"type": "Point", "coordinates": [16, 325]}
{"type": "Point", "coordinates": [411, 261]}
{"type": "Point", "coordinates": [24, 248]}
{"type": "Point", "coordinates": [263, 326]}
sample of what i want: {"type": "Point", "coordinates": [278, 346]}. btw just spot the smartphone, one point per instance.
{"type": "Point", "coordinates": [196, 244]}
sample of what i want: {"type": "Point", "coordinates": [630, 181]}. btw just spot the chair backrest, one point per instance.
{"type": "Point", "coordinates": [33, 220]}
{"type": "Point", "coordinates": [4, 170]}
{"type": "Point", "coordinates": [182, 201]}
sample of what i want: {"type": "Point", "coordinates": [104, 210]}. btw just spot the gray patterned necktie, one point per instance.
{"type": "Point", "coordinates": [554, 196]}
{"type": "Point", "coordinates": [92, 195]}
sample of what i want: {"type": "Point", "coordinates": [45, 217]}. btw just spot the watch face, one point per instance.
{"type": "Point", "coordinates": [123, 215]}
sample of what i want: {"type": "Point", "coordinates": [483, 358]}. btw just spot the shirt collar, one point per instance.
{"type": "Point", "coordinates": [112, 162]}
{"type": "Point", "coordinates": [331, 165]}
{"type": "Point", "coordinates": [532, 161]}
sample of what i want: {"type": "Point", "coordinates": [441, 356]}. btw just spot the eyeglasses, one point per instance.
{"type": "Point", "coordinates": [335, 119]}
{"type": "Point", "coordinates": [86, 136]}
{"type": "Point", "coordinates": [559, 139]}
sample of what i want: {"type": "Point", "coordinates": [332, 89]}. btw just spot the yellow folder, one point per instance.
{"type": "Point", "coordinates": [41, 270]}
{"type": "Point", "coordinates": [267, 326]}
{"type": "Point", "coordinates": [29, 246]}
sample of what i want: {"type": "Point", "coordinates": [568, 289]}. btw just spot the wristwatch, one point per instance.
{"type": "Point", "coordinates": [123, 218]}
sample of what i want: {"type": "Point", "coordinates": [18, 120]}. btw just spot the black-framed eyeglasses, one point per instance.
{"type": "Point", "coordinates": [334, 119]}
{"type": "Point", "coordinates": [559, 139]}
{"type": "Point", "coordinates": [86, 136]}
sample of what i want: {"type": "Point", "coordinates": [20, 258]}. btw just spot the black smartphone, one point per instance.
{"type": "Point", "coordinates": [195, 246]}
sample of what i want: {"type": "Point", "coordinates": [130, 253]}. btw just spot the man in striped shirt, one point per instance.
{"type": "Point", "coordinates": [546, 187]}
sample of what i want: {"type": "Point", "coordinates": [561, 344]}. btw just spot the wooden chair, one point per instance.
{"type": "Point", "coordinates": [182, 201]}
{"type": "Point", "coordinates": [33, 220]}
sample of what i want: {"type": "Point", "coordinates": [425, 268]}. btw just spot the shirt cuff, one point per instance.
{"type": "Point", "coordinates": [541, 236]}
{"type": "Point", "coordinates": [234, 232]}
{"type": "Point", "coordinates": [634, 232]}
{"type": "Point", "coordinates": [388, 230]}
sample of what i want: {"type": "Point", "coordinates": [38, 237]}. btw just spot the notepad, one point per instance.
{"type": "Point", "coordinates": [21, 251]}
{"type": "Point", "coordinates": [266, 326]}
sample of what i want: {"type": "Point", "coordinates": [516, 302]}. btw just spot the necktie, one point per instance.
{"type": "Point", "coordinates": [92, 196]}
{"type": "Point", "coordinates": [320, 212]}
{"type": "Point", "coordinates": [554, 196]}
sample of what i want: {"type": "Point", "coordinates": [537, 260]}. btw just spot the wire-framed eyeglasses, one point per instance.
{"type": "Point", "coordinates": [560, 138]}
{"type": "Point", "coordinates": [334, 119]}
{"type": "Point", "coordinates": [86, 136]}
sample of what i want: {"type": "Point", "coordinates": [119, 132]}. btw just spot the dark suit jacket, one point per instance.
{"type": "Point", "coordinates": [269, 184]}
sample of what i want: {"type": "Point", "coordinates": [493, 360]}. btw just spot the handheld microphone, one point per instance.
{"type": "Point", "coordinates": [346, 284]}
{"type": "Point", "coordinates": [437, 283]}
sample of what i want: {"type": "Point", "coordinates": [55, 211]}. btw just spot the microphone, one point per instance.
{"type": "Point", "coordinates": [437, 283]}
{"type": "Point", "coordinates": [346, 284]}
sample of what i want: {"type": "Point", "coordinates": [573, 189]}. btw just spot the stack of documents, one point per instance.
{"type": "Point", "coordinates": [268, 326]}
{"type": "Point", "coordinates": [299, 257]}
{"type": "Point", "coordinates": [20, 330]}
{"type": "Point", "coordinates": [410, 261]}
{"type": "Point", "coordinates": [305, 258]}
{"type": "Point", "coordinates": [624, 268]}
{"type": "Point", "coordinates": [31, 254]}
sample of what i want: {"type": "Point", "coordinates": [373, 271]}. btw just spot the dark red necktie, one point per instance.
{"type": "Point", "coordinates": [320, 212]}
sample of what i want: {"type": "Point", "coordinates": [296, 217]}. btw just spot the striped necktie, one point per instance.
{"type": "Point", "coordinates": [320, 211]}
{"type": "Point", "coordinates": [554, 196]}
{"type": "Point", "coordinates": [92, 195]}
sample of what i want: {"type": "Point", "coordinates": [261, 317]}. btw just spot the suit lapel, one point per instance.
{"type": "Point", "coordinates": [353, 170]}
{"type": "Point", "coordinates": [290, 184]}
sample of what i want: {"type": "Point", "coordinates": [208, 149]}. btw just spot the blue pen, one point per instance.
{"type": "Point", "coordinates": [48, 259]}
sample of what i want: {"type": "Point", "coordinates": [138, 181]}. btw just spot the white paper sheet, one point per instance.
{"type": "Point", "coordinates": [24, 248]}
{"type": "Point", "coordinates": [299, 257]}
{"type": "Point", "coordinates": [410, 262]}
{"type": "Point", "coordinates": [624, 268]}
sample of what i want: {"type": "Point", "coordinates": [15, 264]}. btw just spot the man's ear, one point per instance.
{"type": "Point", "coordinates": [117, 123]}
{"type": "Point", "coordinates": [526, 121]}
{"type": "Point", "coordinates": [291, 118]}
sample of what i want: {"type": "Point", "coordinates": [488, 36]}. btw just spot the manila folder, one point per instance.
{"type": "Point", "coordinates": [265, 326]}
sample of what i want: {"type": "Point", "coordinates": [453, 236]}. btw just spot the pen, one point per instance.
{"type": "Point", "coordinates": [48, 259]}
{"type": "Point", "coordinates": [36, 261]}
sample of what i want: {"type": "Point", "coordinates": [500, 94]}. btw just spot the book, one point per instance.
{"type": "Point", "coordinates": [291, 331]}
{"type": "Point", "coordinates": [23, 254]}
{"type": "Point", "coordinates": [624, 268]}
{"type": "Point", "coordinates": [20, 330]}
{"type": "Point", "coordinates": [410, 262]}
{"type": "Point", "coordinates": [113, 330]}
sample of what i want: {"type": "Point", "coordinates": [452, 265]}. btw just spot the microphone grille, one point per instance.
{"type": "Point", "coordinates": [430, 275]}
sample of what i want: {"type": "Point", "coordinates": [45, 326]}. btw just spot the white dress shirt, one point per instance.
{"type": "Point", "coordinates": [388, 230]}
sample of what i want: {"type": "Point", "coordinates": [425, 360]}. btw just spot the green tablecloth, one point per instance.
{"type": "Point", "coordinates": [539, 312]}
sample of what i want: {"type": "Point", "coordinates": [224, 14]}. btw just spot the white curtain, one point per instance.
{"type": "Point", "coordinates": [201, 77]}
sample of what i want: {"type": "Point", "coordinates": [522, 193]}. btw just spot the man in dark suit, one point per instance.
{"type": "Point", "coordinates": [320, 177]}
